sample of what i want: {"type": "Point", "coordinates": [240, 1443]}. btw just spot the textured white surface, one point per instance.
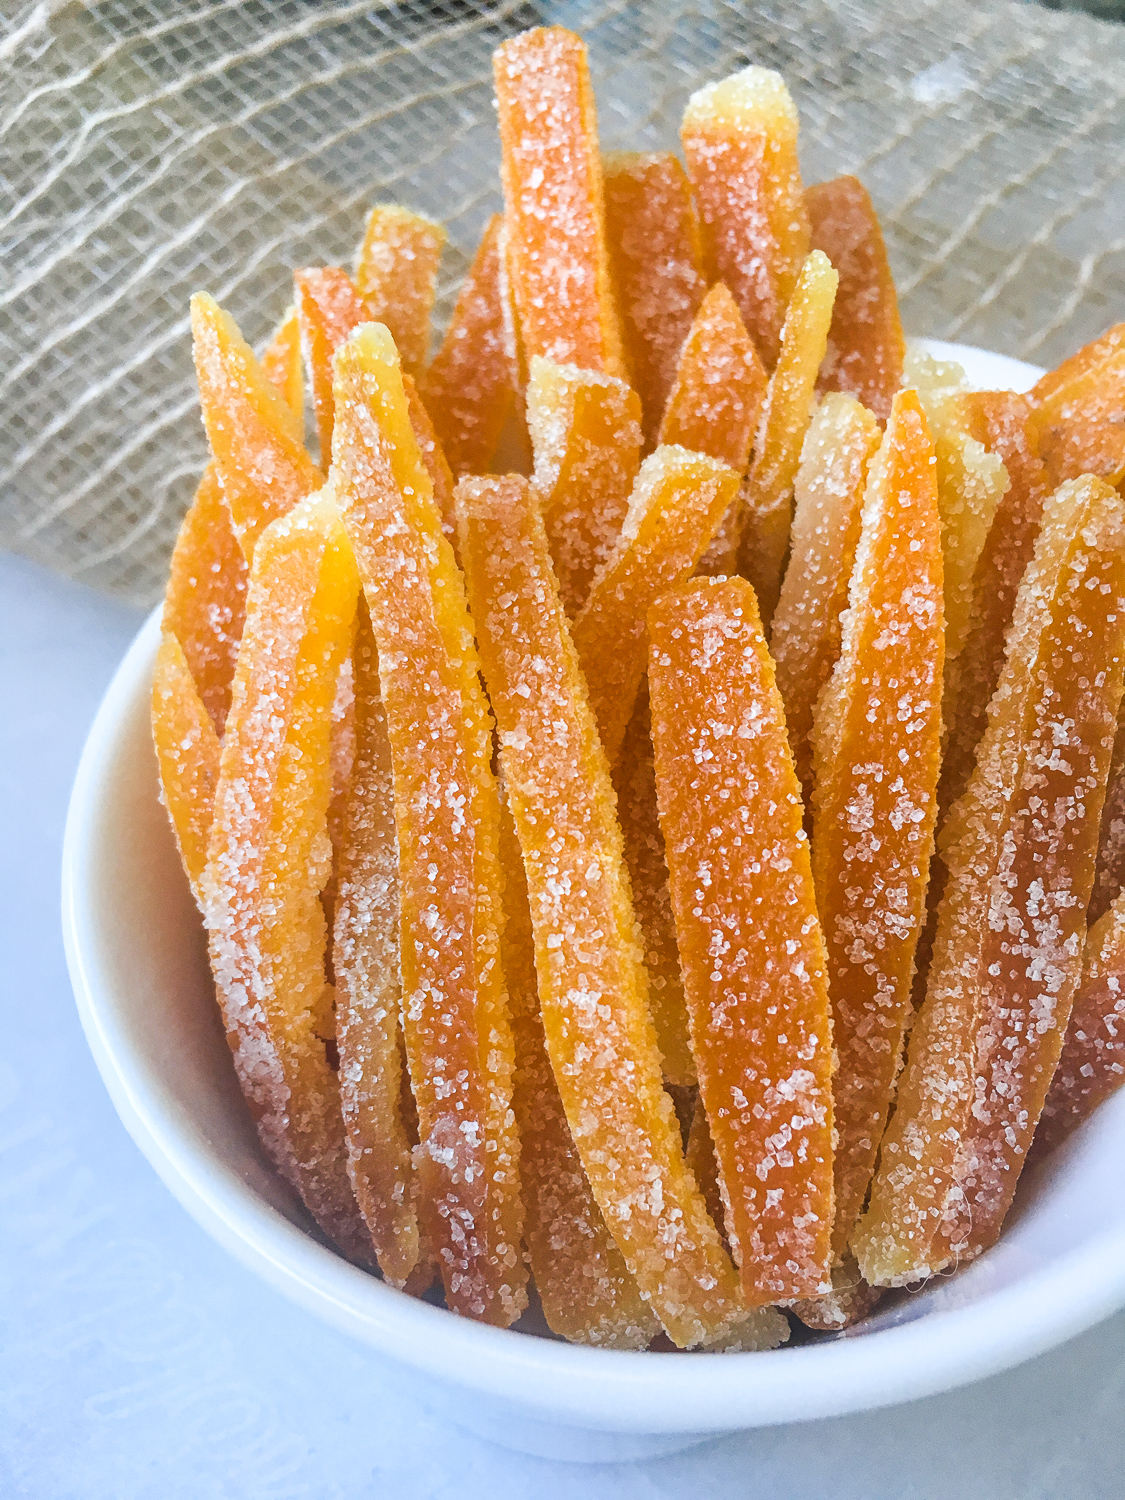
{"type": "Point", "coordinates": [139, 1361]}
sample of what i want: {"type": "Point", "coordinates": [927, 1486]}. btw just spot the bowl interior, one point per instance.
{"type": "Point", "coordinates": [139, 966]}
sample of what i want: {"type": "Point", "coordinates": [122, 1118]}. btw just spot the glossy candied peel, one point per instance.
{"type": "Point", "coordinates": [592, 986]}
{"type": "Point", "coordinates": [749, 939]}
{"type": "Point", "coordinates": [454, 1006]}
{"type": "Point", "coordinates": [676, 505]}
{"type": "Point", "coordinates": [365, 963]}
{"type": "Point", "coordinates": [740, 141]}
{"type": "Point", "coordinates": [865, 343]}
{"type": "Point", "coordinates": [187, 753]}
{"type": "Point", "coordinates": [1020, 848]}
{"type": "Point", "coordinates": [256, 438]}
{"type": "Point", "coordinates": [657, 256]}
{"type": "Point", "coordinates": [554, 203]}
{"type": "Point", "coordinates": [586, 435]}
{"type": "Point", "coordinates": [269, 857]}
{"type": "Point", "coordinates": [395, 274]}
{"type": "Point", "coordinates": [828, 507]}
{"type": "Point", "coordinates": [768, 491]}
{"type": "Point", "coordinates": [877, 750]}
{"type": "Point", "coordinates": [468, 388]}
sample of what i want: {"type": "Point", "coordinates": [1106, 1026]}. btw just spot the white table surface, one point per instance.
{"type": "Point", "coordinates": [139, 1362]}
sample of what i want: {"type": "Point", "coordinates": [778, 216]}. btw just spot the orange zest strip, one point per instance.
{"type": "Point", "coordinates": [592, 989]}
{"type": "Point", "coordinates": [828, 505]}
{"type": "Point", "coordinates": [1078, 417]}
{"type": "Point", "coordinates": [865, 343]}
{"type": "Point", "coordinates": [269, 857]}
{"type": "Point", "coordinates": [368, 993]}
{"type": "Point", "coordinates": [584, 1285]}
{"type": "Point", "coordinates": [256, 437]}
{"type": "Point", "coordinates": [768, 492]}
{"type": "Point", "coordinates": [1092, 1064]}
{"type": "Point", "coordinates": [657, 256]}
{"type": "Point", "coordinates": [1020, 848]}
{"type": "Point", "coordinates": [877, 743]}
{"type": "Point", "coordinates": [749, 940]}
{"type": "Point", "coordinates": [454, 1007]}
{"type": "Point", "coordinates": [998, 421]}
{"type": "Point", "coordinates": [675, 508]}
{"type": "Point", "coordinates": [553, 201]}
{"type": "Point", "coordinates": [396, 272]}
{"type": "Point", "coordinates": [634, 779]}
{"type": "Point", "coordinates": [720, 384]}
{"type": "Point", "coordinates": [281, 363]}
{"type": "Point", "coordinates": [187, 752]}
{"type": "Point", "coordinates": [469, 389]}
{"type": "Point", "coordinates": [740, 140]}
{"type": "Point", "coordinates": [586, 434]}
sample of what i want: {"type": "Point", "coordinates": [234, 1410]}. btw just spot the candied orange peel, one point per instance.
{"type": "Point", "coordinates": [454, 1006]}
{"type": "Point", "coordinates": [749, 940]}
{"type": "Point", "coordinates": [187, 752]}
{"type": "Point", "coordinates": [396, 273]}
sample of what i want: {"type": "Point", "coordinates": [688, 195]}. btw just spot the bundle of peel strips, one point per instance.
{"type": "Point", "coordinates": [647, 781]}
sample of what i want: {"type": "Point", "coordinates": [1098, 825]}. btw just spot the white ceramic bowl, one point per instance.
{"type": "Point", "coordinates": [139, 970]}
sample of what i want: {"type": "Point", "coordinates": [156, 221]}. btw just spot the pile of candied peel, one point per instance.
{"type": "Point", "coordinates": [647, 785]}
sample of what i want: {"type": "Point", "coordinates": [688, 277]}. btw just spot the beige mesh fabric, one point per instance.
{"type": "Point", "coordinates": [152, 148]}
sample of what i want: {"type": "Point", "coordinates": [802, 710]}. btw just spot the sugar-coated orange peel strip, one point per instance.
{"type": "Point", "coordinates": [592, 989]}
{"type": "Point", "coordinates": [584, 1285]}
{"type": "Point", "coordinates": [634, 779]}
{"type": "Point", "coordinates": [268, 857]}
{"type": "Point", "coordinates": [257, 439]}
{"type": "Point", "coordinates": [586, 435]}
{"type": "Point", "coordinates": [1020, 848]}
{"type": "Point", "coordinates": [675, 508]}
{"type": "Point", "coordinates": [848, 1303]}
{"type": "Point", "coordinates": [877, 752]}
{"type": "Point", "coordinates": [720, 383]}
{"type": "Point", "coordinates": [865, 342]}
{"type": "Point", "coordinates": [750, 943]}
{"type": "Point", "coordinates": [365, 963]}
{"type": "Point", "coordinates": [469, 389]}
{"type": "Point", "coordinates": [1076, 422]}
{"type": "Point", "coordinates": [396, 272]}
{"type": "Point", "coordinates": [328, 308]}
{"type": "Point", "coordinates": [1109, 876]}
{"type": "Point", "coordinates": [1092, 1064]}
{"type": "Point", "coordinates": [187, 752]}
{"type": "Point", "coordinates": [768, 492]}
{"type": "Point", "coordinates": [554, 202]}
{"type": "Point", "coordinates": [740, 141]}
{"type": "Point", "coordinates": [455, 1021]}
{"type": "Point", "coordinates": [281, 363]}
{"type": "Point", "coordinates": [998, 421]}
{"type": "Point", "coordinates": [657, 256]}
{"type": "Point", "coordinates": [828, 505]}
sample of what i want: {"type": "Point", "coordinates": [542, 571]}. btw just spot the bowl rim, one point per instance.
{"type": "Point", "coordinates": [611, 1391]}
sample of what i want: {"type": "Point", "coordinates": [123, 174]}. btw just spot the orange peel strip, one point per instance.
{"type": "Point", "coordinates": [848, 1303]}
{"type": "Point", "coordinates": [187, 752]}
{"type": "Point", "coordinates": [749, 940]}
{"type": "Point", "coordinates": [768, 492]}
{"type": "Point", "coordinates": [269, 857]}
{"type": "Point", "coordinates": [256, 437]}
{"type": "Point", "coordinates": [828, 506]}
{"type": "Point", "coordinates": [281, 363]}
{"type": "Point", "coordinates": [455, 1021]}
{"type": "Point", "coordinates": [1079, 426]}
{"type": "Point", "coordinates": [675, 508]}
{"type": "Point", "coordinates": [1109, 877]}
{"type": "Point", "coordinates": [365, 961]}
{"type": "Point", "coordinates": [396, 271]}
{"type": "Point", "coordinates": [584, 1285]}
{"type": "Point", "coordinates": [720, 384]}
{"type": "Point", "coordinates": [553, 201]}
{"type": "Point", "coordinates": [469, 389]}
{"type": "Point", "coordinates": [592, 989]}
{"type": "Point", "coordinates": [1092, 1064]}
{"type": "Point", "coordinates": [634, 780]}
{"type": "Point", "coordinates": [1020, 848]}
{"type": "Point", "coordinates": [586, 434]}
{"type": "Point", "coordinates": [657, 256]}
{"type": "Point", "coordinates": [865, 343]}
{"type": "Point", "coordinates": [877, 748]}
{"type": "Point", "coordinates": [740, 141]}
